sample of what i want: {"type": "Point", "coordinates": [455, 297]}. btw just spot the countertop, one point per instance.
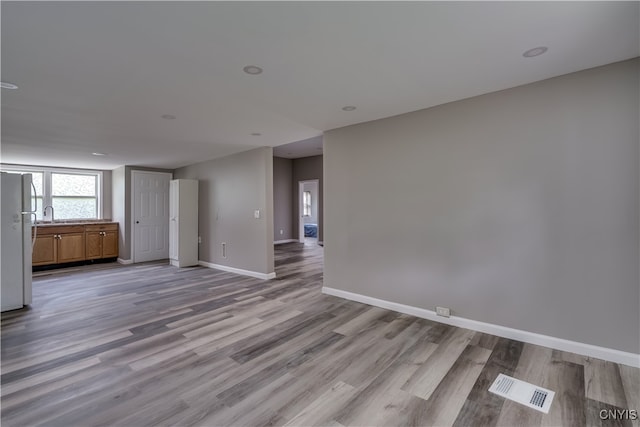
{"type": "Point", "coordinates": [85, 222]}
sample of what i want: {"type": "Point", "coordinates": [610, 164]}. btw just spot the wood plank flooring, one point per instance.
{"type": "Point", "coordinates": [152, 344]}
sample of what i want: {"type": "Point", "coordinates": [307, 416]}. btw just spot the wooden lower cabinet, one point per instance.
{"type": "Point", "coordinates": [110, 244]}
{"type": "Point", "coordinates": [72, 243]}
{"type": "Point", "coordinates": [71, 247]}
{"type": "Point", "coordinates": [101, 241]}
{"type": "Point", "coordinates": [93, 244]}
{"type": "Point", "coordinates": [45, 250]}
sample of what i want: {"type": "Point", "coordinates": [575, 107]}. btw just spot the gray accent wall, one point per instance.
{"type": "Point", "coordinates": [230, 190]}
{"type": "Point", "coordinates": [107, 209]}
{"type": "Point", "coordinates": [518, 208]}
{"type": "Point", "coordinates": [304, 169]}
{"type": "Point", "coordinates": [283, 199]}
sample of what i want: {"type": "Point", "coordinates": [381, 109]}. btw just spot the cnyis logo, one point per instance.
{"type": "Point", "coordinates": [619, 414]}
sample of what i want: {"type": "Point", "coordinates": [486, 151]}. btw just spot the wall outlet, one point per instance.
{"type": "Point", "coordinates": [281, 231]}
{"type": "Point", "coordinates": [199, 239]}
{"type": "Point", "coordinates": [224, 249]}
{"type": "Point", "coordinates": [443, 311]}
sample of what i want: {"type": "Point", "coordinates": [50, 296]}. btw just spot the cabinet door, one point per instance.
{"type": "Point", "coordinates": [71, 247]}
{"type": "Point", "coordinates": [110, 244]}
{"type": "Point", "coordinates": [44, 250]}
{"type": "Point", "coordinates": [93, 244]}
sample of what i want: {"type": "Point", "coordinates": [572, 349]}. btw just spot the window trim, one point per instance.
{"type": "Point", "coordinates": [47, 184]}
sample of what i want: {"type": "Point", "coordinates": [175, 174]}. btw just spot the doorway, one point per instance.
{"type": "Point", "coordinates": [308, 204]}
{"type": "Point", "coordinates": [150, 215]}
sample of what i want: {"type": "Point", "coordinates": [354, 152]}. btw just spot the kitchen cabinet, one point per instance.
{"type": "Point", "coordinates": [101, 241]}
{"type": "Point", "coordinates": [45, 250]}
{"type": "Point", "coordinates": [183, 222]}
{"type": "Point", "coordinates": [59, 244]}
{"type": "Point", "coordinates": [71, 247]}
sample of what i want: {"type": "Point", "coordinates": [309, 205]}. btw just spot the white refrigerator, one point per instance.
{"type": "Point", "coordinates": [17, 212]}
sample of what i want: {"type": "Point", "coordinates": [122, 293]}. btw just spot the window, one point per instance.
{"type": "Point", "coordinates": [306, 203]}
{"type": "Point", "coordinates": [74, 196]}
{"type": "Point", "coordinates": [73, 193]}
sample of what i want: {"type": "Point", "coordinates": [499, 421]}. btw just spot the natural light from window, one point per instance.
{"type": "Point", "coordinates": [306, 203]}
{"type": "Point", "coordinates": [74, 194]}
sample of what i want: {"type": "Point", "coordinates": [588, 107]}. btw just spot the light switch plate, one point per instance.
{"type": "Point", "coordinates": [256, 214]}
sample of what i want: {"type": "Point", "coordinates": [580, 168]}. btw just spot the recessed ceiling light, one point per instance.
{"type": "Point", "coordinates": [536, 51]}
{"type": "Point", "coordinates": [7, 85]}
{"type": "Point", "coordinates": [256, 134]}
{"type": "Point", "coordinates": [168, 116]}
{"type": "Point", "coordinates": [98, 154]}
{"type": "Point", "coordinates": [348, 108]}
{"type": "Point", "coordinates": [252, 69]}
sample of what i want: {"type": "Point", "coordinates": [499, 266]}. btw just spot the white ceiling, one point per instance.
{"type": "Point", "coordinates": [295, 150]}
{"type": "Point", "coordinates": [98, 76]}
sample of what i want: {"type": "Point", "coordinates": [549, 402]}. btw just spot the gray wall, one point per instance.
{"type": "Point", "coordinates": [307, 168]}
{"type": "Point", "coordinates": [282, 199]}
{"type": "Point", "coordinates": [107, 209]}
{"type": "Point", "coordinates": [121, 203]}
{"type": "Point", "coordinates": [517, 208]}
{"type": "Point", "coordinates": [230, 189]}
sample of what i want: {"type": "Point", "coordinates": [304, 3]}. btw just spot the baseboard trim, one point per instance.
{"type": "Point", "coordinates": [280, 242]}
{"type": "Point", "coordinates": [125, 261]}
{"type": "Point", "coordinates": [257, 275]}
{"type": "Point", "coordinates": [612, 355]}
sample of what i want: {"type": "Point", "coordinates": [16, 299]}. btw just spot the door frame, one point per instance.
{"type": "Point", "coordinates": [301, 209]}
{"type": "Point", "coordinates": [132, 212]}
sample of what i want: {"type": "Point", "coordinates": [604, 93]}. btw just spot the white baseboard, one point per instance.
{"type": "Point", "coordinates": [257, 275]}
{"type": "Point", "coordinates": [279, 242]}
{"type": "Point", "coordinates": [182, 263]}
{"type": "Point", "coordinates": [125, 261]}
{"type": "Point", "coordinates": [612, 355]}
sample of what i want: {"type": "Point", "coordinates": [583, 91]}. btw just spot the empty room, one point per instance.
{"type": "Point", "coordinates": [320, 213]}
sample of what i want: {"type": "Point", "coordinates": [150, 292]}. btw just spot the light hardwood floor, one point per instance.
{"type": "Point", "coordinates": [152, 344]}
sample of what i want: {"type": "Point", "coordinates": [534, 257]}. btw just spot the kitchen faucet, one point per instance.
{"type": "Point", "coordinates": [44, 213]}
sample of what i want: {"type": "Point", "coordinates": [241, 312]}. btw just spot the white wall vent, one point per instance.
{"type": "Point", "coordinates": [522, 392]}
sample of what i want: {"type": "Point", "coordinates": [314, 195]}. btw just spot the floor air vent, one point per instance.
{"type": "Point", "coordinates": [524, 393]}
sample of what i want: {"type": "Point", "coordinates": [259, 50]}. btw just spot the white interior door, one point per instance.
{"type": "Point", "coordinates": [150, 194]}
